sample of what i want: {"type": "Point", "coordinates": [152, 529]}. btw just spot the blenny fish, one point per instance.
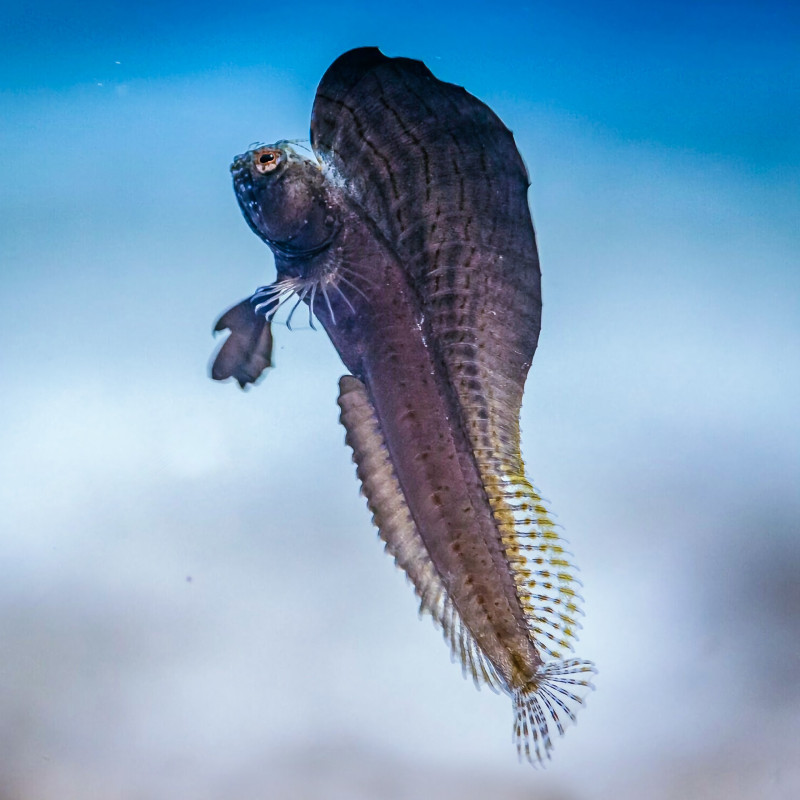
{"type": "Point", "coordinates": [407, 234]}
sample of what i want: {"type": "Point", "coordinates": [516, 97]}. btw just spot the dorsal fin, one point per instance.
{"type": "Point", "coordinates": [440, 175]}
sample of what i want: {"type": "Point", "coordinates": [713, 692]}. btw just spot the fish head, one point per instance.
{"type": "Point", "coordinates": [286, 200]}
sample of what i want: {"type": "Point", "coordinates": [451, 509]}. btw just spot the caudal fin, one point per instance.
{"type": "Point", "coordinates": [551, 699]}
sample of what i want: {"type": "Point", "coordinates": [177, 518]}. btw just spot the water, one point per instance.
{"type": "Point", "coordinates": [192, 600]}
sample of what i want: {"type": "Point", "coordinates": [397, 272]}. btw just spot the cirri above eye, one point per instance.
{"type": "Point", "coordinates": [266, 160]}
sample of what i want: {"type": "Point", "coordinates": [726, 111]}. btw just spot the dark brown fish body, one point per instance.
{"type": "Point", "coordinates": [413, 244]}
{"type": "Point", "coordinates": [425, 429]}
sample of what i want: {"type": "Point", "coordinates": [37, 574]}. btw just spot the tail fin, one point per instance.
{"type": "Point", "coordinates": [553, 696]}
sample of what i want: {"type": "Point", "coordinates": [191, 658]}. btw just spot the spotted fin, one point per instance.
{"type": "Point", "coordinates": [552, 698]}
{"type": "Point", "coordinates": [544, 576]}
{"type": "Point", "coordinates": [399, 532]}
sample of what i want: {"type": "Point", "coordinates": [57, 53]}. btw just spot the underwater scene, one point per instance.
{"type": "Point", "coordinates": [314, 358]}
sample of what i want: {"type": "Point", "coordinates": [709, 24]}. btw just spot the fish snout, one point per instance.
{"type": "Point", "coordinates": [241, 162]}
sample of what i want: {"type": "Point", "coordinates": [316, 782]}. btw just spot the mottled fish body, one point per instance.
{"type": "Point", "coordinates": [411, 241]}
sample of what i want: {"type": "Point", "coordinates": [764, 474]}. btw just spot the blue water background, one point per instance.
{"type": "Point", "coordinates": [192, 600]}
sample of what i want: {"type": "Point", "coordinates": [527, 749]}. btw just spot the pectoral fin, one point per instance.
{"type": "Point", "coordinates": [398, 530]}
{"type": "Point", "coordinates": [247, 351]}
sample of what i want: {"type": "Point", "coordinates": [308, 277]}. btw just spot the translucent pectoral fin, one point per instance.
{"type": "Point", "coordinates": [247, 351]}
{"type": "Point", "coordinates": [398, 530]}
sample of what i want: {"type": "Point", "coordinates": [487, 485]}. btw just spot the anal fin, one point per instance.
{"type": "Point", "coordinates": [399, 532]}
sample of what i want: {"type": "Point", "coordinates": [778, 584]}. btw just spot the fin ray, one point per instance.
{"type": "Point", "coordinates": [545, 701]}
{"type": "Point", "coordinates": [399, 532]}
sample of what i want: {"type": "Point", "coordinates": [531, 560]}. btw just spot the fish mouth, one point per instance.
{"type": "Point", "coordinates": [242, 173]}
{"type": "Point", "coordinates": [241, 163]}
{"type": "Point", "coordinates": [244, 187]}
{"type": "Point", "coordinates": [243, 180]}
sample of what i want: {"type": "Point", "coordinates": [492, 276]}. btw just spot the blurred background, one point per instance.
{"type": "Point", "coordinates": [193, 603]}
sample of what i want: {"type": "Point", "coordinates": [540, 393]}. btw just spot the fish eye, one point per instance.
{"type": "Point", "coordinates": [266, 160]}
